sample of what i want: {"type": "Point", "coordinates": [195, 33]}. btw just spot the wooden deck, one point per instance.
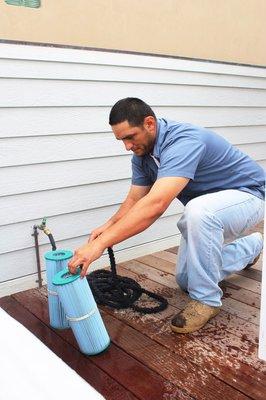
{"type": "Point", "coordinates": [146, 360]}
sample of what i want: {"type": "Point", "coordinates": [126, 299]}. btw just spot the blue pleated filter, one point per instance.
{"type": "Point", "coordinates": [56, 261]}
{"type": "Point", "coordinates": [82, 312]}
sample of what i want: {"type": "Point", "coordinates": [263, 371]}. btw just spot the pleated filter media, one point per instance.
{"type": "Point", "coordinates": [56, 261]}
{"type": "Point", "coordinates": [82, 312]}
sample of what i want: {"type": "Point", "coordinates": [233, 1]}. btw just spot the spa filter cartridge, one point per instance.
{"type": "Point", "coordinates": [82, 312]}
{"type": "Point", "coordinates": [56, 261]}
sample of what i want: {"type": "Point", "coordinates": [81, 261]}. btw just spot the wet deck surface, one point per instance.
{"type": "Point", "coordinates": [146, 360]}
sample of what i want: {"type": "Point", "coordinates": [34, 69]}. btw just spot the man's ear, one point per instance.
{"type": "Point", "coordinates": [149, 123]}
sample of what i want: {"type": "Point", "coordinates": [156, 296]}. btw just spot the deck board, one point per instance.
{"type": "Point", "coordinates": [231, 287]}
{"type": "Point", "coordinates": [74, 358]}
{"type": "Point", "coordinates": [116, 362]}
{"type": "Point", "coordinates": [226, 334]}
{"type": "Point", "coordinates": [146, 360]}
{"type": "Point", "coordinates": [233, 306]}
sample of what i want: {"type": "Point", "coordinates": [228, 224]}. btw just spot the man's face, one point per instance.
{"type": "Point", "coordinates": [139, 139]}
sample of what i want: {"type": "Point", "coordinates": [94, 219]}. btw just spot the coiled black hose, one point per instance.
{"type": "Point", "coordinates": [119, 292]}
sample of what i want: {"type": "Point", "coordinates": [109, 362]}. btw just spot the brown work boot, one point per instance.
{"type": "Point", "coordinates": [253, 263]}
{"type": "Point", "coordinates": [194, 316]}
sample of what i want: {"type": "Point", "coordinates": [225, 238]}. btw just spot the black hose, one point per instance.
{"type": "Point", "coordinates": [119, 292]}
{"type": "Point", "coordinates": [52, 241]}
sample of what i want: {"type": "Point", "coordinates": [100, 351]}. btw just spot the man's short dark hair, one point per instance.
{"type": "Point", "coordinates": [130, 109]}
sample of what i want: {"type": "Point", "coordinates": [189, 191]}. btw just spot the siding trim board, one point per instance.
{"type": "Point", "coordinates": [86, 48]}
{"type": "Point", "coordinates": [58, 157]}
{"type": "Point", "coordinates": [62, 54]}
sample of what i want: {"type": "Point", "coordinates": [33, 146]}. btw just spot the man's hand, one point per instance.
{"type": "Point", "coordinates": [84, 256]}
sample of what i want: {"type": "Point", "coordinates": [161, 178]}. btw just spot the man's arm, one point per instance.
{"type": "Point", "coordinates": [140, 216]}
{"type": "Point", "coordinates": [134, 195]}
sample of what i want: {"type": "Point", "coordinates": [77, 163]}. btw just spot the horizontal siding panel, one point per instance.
{"type": "Point", "coordinates": [37, 53]}
{"type": "Point", "coordinates": [24, 262]}
{"type": "Point", "coordinates": [20, 284]}
{"type": "Point", "coordinates": [242, 134]}
{"type": "Point", "coordinates": [58, 148]}
{"type": "Point", "coordinates": [53, 121]}
{"type": "Point", "coordinates": [257, 151]}
{"type": "Point", "coordinates": [32, 178]}
{"type": "Point", "coordinates": [93, 72]}
{"type": "Point", "coordinates": [15, 151]}
{"type": "Point", "coordinates": [16, 237]}
{"type": "Point", "coordinates": [215, 116]}
{"type": "Point", "coordinates": [263, 164]}
{"type": "Point", "coordinates": [71, 120]}
{"type": "Point", "coordinates": [45, 176]}
{"type": "Point", "coordinates": [23, 207]}
{"type": "Point", "coordinates": [42, 93]}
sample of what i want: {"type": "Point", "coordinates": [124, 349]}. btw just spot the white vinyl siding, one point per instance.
{"type": "Point", "coordinates": [59, 159]}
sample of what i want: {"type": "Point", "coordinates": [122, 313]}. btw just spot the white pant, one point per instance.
{"type": "Point", "coordinates": [205, 257]}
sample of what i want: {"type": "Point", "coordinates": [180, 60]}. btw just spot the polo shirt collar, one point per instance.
{"type": "Point", "coordinates": [156, 152]}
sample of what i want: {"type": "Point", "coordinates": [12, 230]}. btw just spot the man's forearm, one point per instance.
{"type": "Point", "coordinates": [135, 194]}
{"type": "Point", "coordinates": [150, 203]}
{"type": "Point", "coordinates": [137, 219]}
{"type": "Point", "coordinates": [123, 209]}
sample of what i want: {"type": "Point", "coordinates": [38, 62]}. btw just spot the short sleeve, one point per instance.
{"type": "Point", "coordinates": [181, 157]}
{"type": "Point", "coordinates": [139, 176]}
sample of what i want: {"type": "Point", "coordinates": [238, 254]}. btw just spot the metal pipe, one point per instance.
{"type": "Point", "coordinates": [35, 234]}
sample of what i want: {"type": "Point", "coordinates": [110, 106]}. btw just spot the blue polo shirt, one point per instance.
{"type": "Point", "coordinates": [207, 159]}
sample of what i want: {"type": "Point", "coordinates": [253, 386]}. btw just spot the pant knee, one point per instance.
{"type": "Point", "coordinates": [194, 215]}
